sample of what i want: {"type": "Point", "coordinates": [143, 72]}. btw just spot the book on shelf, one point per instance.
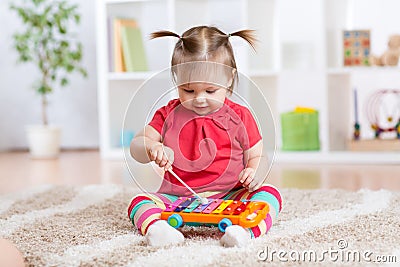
{"type": "Point", "coordinates": [110, 44]}
{"type": "Point", "coordinates": [125, 48]}
{"type": "Point", "coordinates": [133, 49]}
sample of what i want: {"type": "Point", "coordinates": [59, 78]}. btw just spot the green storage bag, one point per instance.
{"type": "Point", "coordinates": [300, 130]}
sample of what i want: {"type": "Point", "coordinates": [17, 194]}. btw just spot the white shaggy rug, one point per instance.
{"type": "Point", "coordinates": [88, 226]}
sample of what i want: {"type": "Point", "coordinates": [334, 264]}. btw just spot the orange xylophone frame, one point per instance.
{"type": "Point", "coordinates": [217, 212]}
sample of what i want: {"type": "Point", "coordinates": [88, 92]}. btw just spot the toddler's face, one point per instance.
{"type": "Point", "coordinates": [202, 98]}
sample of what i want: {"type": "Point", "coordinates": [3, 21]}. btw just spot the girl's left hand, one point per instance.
{"type": "Point", "coordinates": [246, 177]}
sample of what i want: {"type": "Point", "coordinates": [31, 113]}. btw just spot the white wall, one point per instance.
{"type": "Point", "coordinates": [74, 108]}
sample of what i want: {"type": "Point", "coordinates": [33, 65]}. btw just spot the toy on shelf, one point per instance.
{"type": "Point", "coordinates": [300, 129]}
{"type": "Point", "coordinates": [391, 56]}
{"type": "Point", "coordinates": [356, 47]}
{"type": "Point", "coordinates": [356, 133]}
{"type": "Point", "coordinates": [216, 212]}
{"type": "Point", "coordinates": [383, 112]}
{"type": "Point", "coordinates": [397, 127]}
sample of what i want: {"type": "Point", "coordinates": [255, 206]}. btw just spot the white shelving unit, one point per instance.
{"type": "Point", "coordinates": [298, 61]}
{"type": "Point", "coordinates": [380, 18]}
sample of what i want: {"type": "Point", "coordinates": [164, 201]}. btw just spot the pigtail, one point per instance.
{"type": "Point", "coordinates": [163, 34]}
{"type": "Point", "coordinates": [206, 43]}
{"type": "Point", "coordinates": [247, 35]}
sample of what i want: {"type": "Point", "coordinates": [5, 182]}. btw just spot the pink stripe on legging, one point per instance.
{"type": "Point", "coordinates": [270, 190]}
{"type": "Point", "coordinates": [162, 198]}
{"type": "Point", "coordinates": [136, 201]}
{"type": "Point", "coordinates": [145, 215]}
{"type": "Point", "coordinates": [256, 231]}
{"type": "Point", "coordinates": [268, 222]}
{"type": "Point", "coordinates": [145, 230]}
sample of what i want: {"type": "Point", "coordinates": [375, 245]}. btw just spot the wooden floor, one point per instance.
{"type": "Point", "coordinates": [18, 171]}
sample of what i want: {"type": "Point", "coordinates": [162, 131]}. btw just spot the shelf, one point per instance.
{"type": "Point", "coordinates": [378, 145]}
{"type": "Point", "coordinates": [367, 70]}
{"type": "Point", "coordinates": [125, 76]}
{"type": "Point", "coordinates": [147, 74]}
{"type": "Point", "coordinates": [112, 2]}
{"type": "Point", "coordinates": [298, 62]}
{"type": "Point", "coordinates": [344, 157]}
{"type": "Point", "coordinates": [263, 73]}
{"type": "Point", "coordinates": [313, 157]}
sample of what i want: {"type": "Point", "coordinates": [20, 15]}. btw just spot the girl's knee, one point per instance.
{"type": "Point", "coordinates": [141, 198]}
{"type": "Point", "coordinates": [270, 189]}
{"type": "Point", "coordinates": [268, 192]}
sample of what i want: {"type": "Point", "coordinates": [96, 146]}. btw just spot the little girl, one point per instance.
{"type": "Point", "coordinates": [210, 142]}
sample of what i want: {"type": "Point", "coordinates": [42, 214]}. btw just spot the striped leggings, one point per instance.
{"type": "Point", "coordinates": [145, 209]}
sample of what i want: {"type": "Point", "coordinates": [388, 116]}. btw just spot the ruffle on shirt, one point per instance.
{"type": "Point", "coordinates": [226, 118]}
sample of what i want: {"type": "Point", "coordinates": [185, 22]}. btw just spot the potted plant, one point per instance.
{"type": "Point", "coordinates": [47, 42]}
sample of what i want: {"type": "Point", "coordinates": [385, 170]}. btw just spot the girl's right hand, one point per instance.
{"type": "Point", "coordinates": [162, 155]}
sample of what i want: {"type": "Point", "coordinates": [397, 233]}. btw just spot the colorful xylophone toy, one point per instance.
{"type": "Point", "coordinates": [217, 212]}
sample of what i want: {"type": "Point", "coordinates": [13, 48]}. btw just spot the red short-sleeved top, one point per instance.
{"type": "Point", "coordinates": [208, 149]}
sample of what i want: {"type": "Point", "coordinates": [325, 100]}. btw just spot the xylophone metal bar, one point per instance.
{"type": "Point", "coordinates": [172, 207]}
{"type": "Point", "coordinates": [214, 204]}
{"type": "Point", "coordinates": [221, 207]}
{"type": "Point", "coordinates": [184, 205]}
{"type": "Point", "coordinates": [193, 205]}
{"type": "Point", "coordinates": [231, 208]}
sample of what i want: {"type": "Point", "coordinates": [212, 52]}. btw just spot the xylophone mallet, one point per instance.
{"type": "Point", "coordinates": [202, 199]}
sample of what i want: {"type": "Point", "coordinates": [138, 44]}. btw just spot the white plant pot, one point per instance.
{"type": "Point", "coordinates": [44, 141]}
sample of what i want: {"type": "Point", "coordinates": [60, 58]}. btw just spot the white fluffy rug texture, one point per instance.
{"type": "Point", "coordinates": [88, 226]}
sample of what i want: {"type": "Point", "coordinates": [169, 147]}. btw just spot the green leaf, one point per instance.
{"type": "Point", "coordinates": [69, 68]}
{"type": "Point", "coordinates": [77, 18]}
{"type": "Point", "coordinates": [64, 82]}
{"type": "Point", "coordinates": [46, 40]}
{"type": "Point", "coordinates": [44, 89]}
{"type": "Point", "coordinates": [83, 72]}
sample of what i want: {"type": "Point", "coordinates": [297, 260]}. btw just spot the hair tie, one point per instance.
{"type": "Point", "coordinates": [229, 35]}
